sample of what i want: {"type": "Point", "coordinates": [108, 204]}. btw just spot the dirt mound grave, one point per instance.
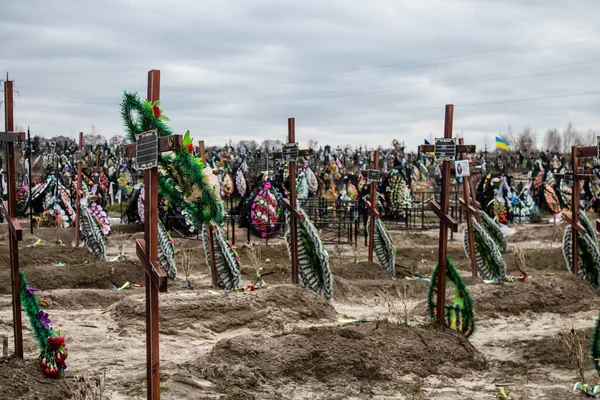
{"type": "Point", "coordinates": [335, 356]}
{"type": "Point", "coordinates": [353, 291]}
{"type": "Point", "coordinates": [195, 312]}
{"type": "Point", "coordinates": [83, 299]}
{"type": "Point", "coordinates": [24, 380]}
{"type": "Point", "coordinates": [560, 294]}
{"type": "Point", "coordinates": [95, 275]}
{"type": "Point", "coordinates": [46, 254]}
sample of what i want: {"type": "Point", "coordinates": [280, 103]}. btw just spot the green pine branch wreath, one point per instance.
{"type": "Point", "coordinates": [182, 181]}
{"type": "Point", "coordinates": [459, 315]}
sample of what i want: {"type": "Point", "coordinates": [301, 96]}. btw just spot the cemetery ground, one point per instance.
{"type": "Point", "coordinates": [285, 342]}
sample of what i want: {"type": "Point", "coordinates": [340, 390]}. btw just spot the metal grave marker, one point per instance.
{"type": "Point", "coordinates": [373, 176]}
{"type": "Point", "coordinates": [569, 178]}
{"type": "Point", "coordinates": [290, 152]}
{"type": "Point", "coordinates": [147, 150]}
{"type": "Point", "coordinates": [445, 149]}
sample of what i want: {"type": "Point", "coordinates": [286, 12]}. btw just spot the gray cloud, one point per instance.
{"type": "Point", "coordinates": [350, 71]}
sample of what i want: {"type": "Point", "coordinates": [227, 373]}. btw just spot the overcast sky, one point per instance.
{"type": "Point", "coordinates": [349, 71]}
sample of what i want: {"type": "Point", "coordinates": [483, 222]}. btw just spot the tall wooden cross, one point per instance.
{"type": "Point", "coordinates": [573, 179]}
{"type": "Point", "coordinates": [290, 154]}
{"type": "Point", "coordinates": [147, 248]}
{"type": "Point", "coordinates": [446, 149]}
{"type": "Point", "coordinates": [373, 178]}
{"type": "Point", "coordinates": [470, 204]}
{"type": "Point", "coordinates": [78, 190]}
{"type": "Point", "coordinates": [10, 210]}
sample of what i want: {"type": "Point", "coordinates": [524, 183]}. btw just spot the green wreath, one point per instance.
{"type": "Point", "coordinates": [459, 315]}
{"type": "Point", "coordinates": [313, 260]}
{"type": "Point", "coordinates": [181, 177]}
{"type": "Point", "coordinates": [490, 264]}
{"type": "Point", "coordinates": [385, 251]}
{"type": "Point", "coordinates": [589, 256]}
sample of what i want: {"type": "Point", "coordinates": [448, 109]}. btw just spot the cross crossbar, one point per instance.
{"type": "Point", "coordinates": [14, 225]}
{"type": "Point", "coordinates": [153, 269]}
{"type": "Point", "coordinates": [12, 136]}
{"type": "Point", "coordinates": [446, 219]}
{"type": "Point", "coordinates": [297, 214]}
{"type": "Point", "coordinates": [576, 225]}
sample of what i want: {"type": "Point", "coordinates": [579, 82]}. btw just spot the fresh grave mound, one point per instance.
{"type": "Point", "coordinates": [560, 294]}
{"type": "Point", "coordinates": [360, 270]}
{"type": "Point", "coordinates": [95, 275]}
{"type": "Point", "coordinates": [23, 380]}
{"type": "Point", "coordinates": [194, 312]}
{"type": "Point", "coordinates": [358, 291]}
{"type": "Point", "coordinates": [543, 233]}
{"type": "Point", "coordinates": [549, 352]}
{"type": "Point", "coordinates": [46, 254]}
{"type": "Point", "coordinates": [83, 299]}
{"type": "Point", "coordinates": [336, 356]}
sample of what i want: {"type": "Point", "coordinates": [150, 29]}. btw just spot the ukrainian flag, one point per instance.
{"type": "Point", "coordinates": [502, 144]}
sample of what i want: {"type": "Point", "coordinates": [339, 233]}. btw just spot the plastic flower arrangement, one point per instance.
{"type": "Point", "coordinates": [53, 353]}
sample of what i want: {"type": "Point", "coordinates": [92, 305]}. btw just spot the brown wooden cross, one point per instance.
{"type": "Point", "coordinates": [147, 248]}
{"type": "Point", "coordinates": [291, 203]}
{"type": "Point", "coordinates": [446, 221]}
{"type": "Point", "coordinates": [577, 152]}
{"type": "Point", "coordinates": [10, 210]}
{"type": "Point", "coordinates": [78, 190]}
{"type": "Point", "coordinates": [373, 177]}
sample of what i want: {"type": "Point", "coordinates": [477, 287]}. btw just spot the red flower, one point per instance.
{"type": "Point", "coordinates": [190, 148]}
{"type": "Point", "coordinates": [251, 288]}
{"type": "Point", "coordinates": [156, 111]}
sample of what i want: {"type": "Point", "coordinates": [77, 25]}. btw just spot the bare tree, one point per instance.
{"type": "Point", "coordinates": [526, 140]}
{"type": "Point", "coordinates": [553, 140]}
{"type": "Point", "coordinates": [312, 144]}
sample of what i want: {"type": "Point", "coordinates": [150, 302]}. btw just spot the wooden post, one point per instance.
{"type": "Point", "coordinates": [576, 153]}
{"type": "Point", "coordinates": [291, 203]}
{"type": "Point", "coordinates": [470, 212]}
{"type": "Point", "coordinates": [293, 200]}
{"type": "Point", "coordinates": [202, 151]}
{"type": "Point", "coordinates": [443, 239]}
{"type": "Point", "coordinates": [78, 192]}
{"type": "Point", "coordinates": [147, 248]}
{"type": "Point", "coordinates": [373, 207]}
{"type": "Point", "coordinates": [10, 210]}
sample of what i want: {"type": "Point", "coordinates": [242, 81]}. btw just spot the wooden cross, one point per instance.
{"type": "Point", "coordinates": [573, 220]}
{"type": "Point", "coordinates": [78, 190]}
{"type": "Point", "coordinates": [147, 248]}
{"type": "Point", "coordinates": [470, 210]}
{"type": "Point", "coordinates": [98, 168]}
{"type": "Point", "coordinates": [446, 221]}
{"type": "Point", "coordinates": [291, 203]}
{"type": "Point", "coordinates": [210, 230]}
{"type": "Point", "coordinates": [10, 209]}
{"type": "Point", "coordinates": [374, 175]}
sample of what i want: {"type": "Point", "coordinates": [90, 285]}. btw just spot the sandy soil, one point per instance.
{"type": "Point", "coordinates": [284, 342]}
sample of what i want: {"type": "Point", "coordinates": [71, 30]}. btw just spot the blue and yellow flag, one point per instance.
{"type": "Point", "coordinates": [502, 144]}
